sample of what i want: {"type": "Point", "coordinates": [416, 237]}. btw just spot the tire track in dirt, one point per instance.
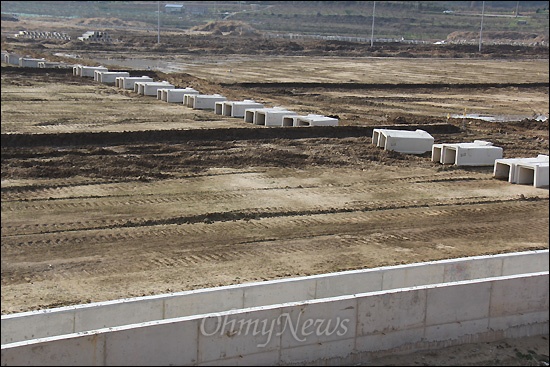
{"type": "Point", "coordinates": [254, 223]}
{"type": "Point", "coordinates": [394, 239]}
{"type": "Point", "coordinates": [212, 198]}
{"type": "Point", "coordinates": [49, 195]}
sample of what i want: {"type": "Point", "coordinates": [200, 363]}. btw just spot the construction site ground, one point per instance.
{"type": "Point", "coordinates": [107, 194]}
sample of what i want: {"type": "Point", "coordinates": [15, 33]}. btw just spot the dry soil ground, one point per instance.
{"type": "Point", "coordinates": [107, 194]}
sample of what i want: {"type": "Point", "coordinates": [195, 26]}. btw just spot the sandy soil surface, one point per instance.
{"type": "Point", "coordinates": [106, 194]}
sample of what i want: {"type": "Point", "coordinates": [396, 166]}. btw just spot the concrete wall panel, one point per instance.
{"type": "Point", "coordinates": [163, 344]}
{"type": "Point", "coordinates": [516, 296]}
{"type": "Point", "coordinates": [239, 333]}
{"type": "Point", "coordinates": [385, 312]}
{"type": "Point", "coordinates": [318, 322]}
{"type": "Point", "coordinates": [73, 350]}
{"type": "Point", "coordinates": [447, 304]}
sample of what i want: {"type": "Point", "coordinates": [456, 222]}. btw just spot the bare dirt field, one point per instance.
{"type": "Point", "coordinates": [107, 194]}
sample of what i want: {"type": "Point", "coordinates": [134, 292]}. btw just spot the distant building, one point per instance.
{"type": "Point", "coordinates": [197, 9]}
{"type": "Point", "coordinates": [173, 8]}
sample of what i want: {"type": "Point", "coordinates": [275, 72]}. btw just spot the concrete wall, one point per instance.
{"type": "Point", "coordinates": [337, 330]}
{"type": "Point", "coordinates": [65, 320]}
